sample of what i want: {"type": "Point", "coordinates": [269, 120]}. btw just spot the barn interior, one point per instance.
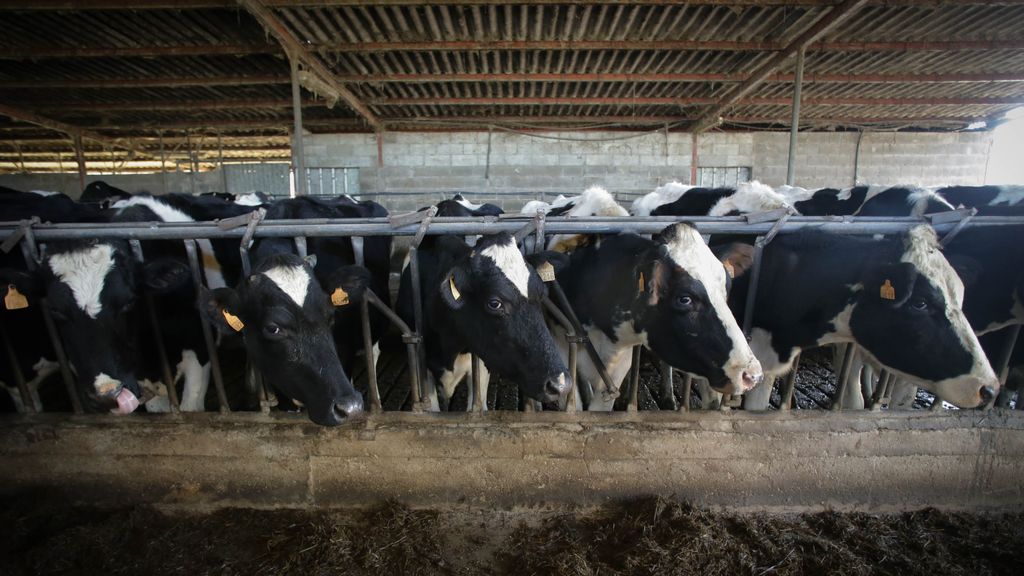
{"type": "Point", "coordinates": [407, 102]}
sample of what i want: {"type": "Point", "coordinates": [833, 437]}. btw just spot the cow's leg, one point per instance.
{"type": "Point", "coordinates": [376, 354]}
{"type": "Point", "coordinates": [485, 380]}
{"type": "Point", "coordinates": [159, 403]}
{"type": "Point", "coordinates": [196, 376]}
{"type": "Point", "coordinates": [903, 395]}
{"type": "Point", "coordinates": [709, 399]}
{"type": "Point", "coordinates": [759, 397]}
{"type": "Point", "coordinates": [451, 378]}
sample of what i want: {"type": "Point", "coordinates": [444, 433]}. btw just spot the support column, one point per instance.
{"type": "Point", "coordinates": [794, 124]}
{"type": "Point", "coordinates": [298, 155]}
{"type": "Point", "coordinates": [693, 158]}
{"type": "Point", "coordinates": [80, 157]}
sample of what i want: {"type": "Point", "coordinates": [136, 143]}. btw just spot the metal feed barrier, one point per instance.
{"type": "Point", "coordinates": [32, 236]}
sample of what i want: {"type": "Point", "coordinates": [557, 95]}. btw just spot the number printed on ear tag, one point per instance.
{"type": "Point", "coordinates": [546, 272]}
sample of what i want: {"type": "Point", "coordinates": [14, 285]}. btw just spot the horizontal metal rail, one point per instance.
{"type": "Point", "coordinates": [485, 225]}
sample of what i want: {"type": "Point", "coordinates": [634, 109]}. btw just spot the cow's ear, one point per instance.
{"type": "Point", "coordinates": [736, 257]}
{"type": "Point", "coordinates": [164, 275]}
{"type": "Point", "coordinates": [890, 284]}
{"type": "Point", "coordinates": [348, 284]}
{"type": "Point", "coordinates": [222, 308]}
{"type": "Point", "coordinates": [311, 260]}
{"type": "Point", "coordinates": [541, 260]}
{"type": "Point", "coordinates": [454, 288]}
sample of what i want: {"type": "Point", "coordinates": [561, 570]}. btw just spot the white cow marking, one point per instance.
{"type": "Point", "coordinates": [664, 194]}
{"type": "Point", "coordinates": [510, 261]}
{"type": "Point", "coordinates": [749, 197]}
{"type": "Point", "coordinates": [197, 380]}
{"type": "Point", "coordinates": [292, 280]}
{"type": "Point", "coordinates": [85, 271]}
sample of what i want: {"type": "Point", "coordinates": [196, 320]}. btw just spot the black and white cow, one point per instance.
{"type": "Point", "coordinates": [898, 298]}
{"type": "Point", "coordinates": [675, 199]}
{"type": "Point", "coordinates": [484, 300]}
{"type": "Point", "coordinates": [103, 194]}
{"type": "Point", "coordinates": [668, 294]}
{"type": "Point", "coordinates": [21, 320]}
{"type": "Point", "coordinates": [866, 201]}
{"type": "Point", "coordinates": [285, 315]}
{"type": "Point", "coordinates": [1001, 200]}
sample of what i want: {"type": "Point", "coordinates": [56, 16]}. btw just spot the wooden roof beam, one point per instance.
{"type": "Point", "coordinates": [50, 53]}
{"type": "Point", "coordinates": [155, 82]}
{"type": "Point", "coordinates": [199, 4]}
{"type": "Point", "coordinates": [697, 101]}
{"type": "Point", "coordinates": [310, 61]}
{"type": "Point", "coordinates": [665, 77]}
{"type": "Point", "coordinates": [830, 20]}
{"type": "Point", "coordinates": [73, 131]}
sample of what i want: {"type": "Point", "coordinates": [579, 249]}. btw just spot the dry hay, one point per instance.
{"type": "Point", "coordinates": [652, 536]}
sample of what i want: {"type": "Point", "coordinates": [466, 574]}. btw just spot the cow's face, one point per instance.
{"type": "Point", "coordinates": [684, 311]}
{"type": "Point", "coordinates": [91, 290]}
{"type": "Point", "coordinates": [286, 317]}
{"type": "Point", "coordinates": [492, 297]}
{"type": "Point", "coordinates": [908, 316]}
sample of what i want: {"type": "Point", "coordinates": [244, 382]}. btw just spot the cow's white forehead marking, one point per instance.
{"type": "Point", "coordinates": [688, 250]}
{"type": "Point", "coordinates": [85, 271]}
{"type": "Point", "coordinates": [510, 261]}
{"type": "Point", "coordinates": [292, 280]}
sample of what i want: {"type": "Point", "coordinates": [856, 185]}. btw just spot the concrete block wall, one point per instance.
{"type": "Point", "coordinates": [421, 167]}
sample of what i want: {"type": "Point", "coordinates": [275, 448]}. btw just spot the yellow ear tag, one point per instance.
{"type": "Point", "coordinates": [729, 269]}
{"type": "Point", "coordinates": [339, 297]}
{"type": "Point", "coordinates": [887, 292]}
{"type": "Point", "coordinates": [455, 291]}
{"type": "Point", "coordinates": [234, 321]}
{"type": "Point", "coordinates": [640, 283]}
{"type": "Point", "coordinates": [546, 272]}
{"type": "Point", "coordinates": [14, 300]}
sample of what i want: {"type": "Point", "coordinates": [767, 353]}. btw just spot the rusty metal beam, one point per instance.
{"type": "Point", "coordinates": [654, 101]}
{"type": "Point", "coordinates": [670, 77]}
{"type": "Point", "coordinates": [830, 20]}
{"type": "Point", "coordinates": [50, 53]}
{"type": "Point", "coordinates": [296, 49]}
{"type": "Point", "coordinates": [155, 82]}
{"type": "Point", "coordinates": [74, 131]}
{"type": "Point", "coordinates": [144, 105]}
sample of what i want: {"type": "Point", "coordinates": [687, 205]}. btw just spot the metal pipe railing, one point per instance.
{"type": "Point", "coordinates": [763, 226]}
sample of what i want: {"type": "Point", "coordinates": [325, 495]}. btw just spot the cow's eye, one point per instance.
{"type": "Point", "coordinates": [272, 330]}
{"type": "Point", "coordinates": [684, 301]}
{"type": "Point", "coordinates": [494, 304]}
{"type": "Point", "coordinates": [919, 305]}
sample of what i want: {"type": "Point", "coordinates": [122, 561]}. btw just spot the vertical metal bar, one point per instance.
{"type": "Point", "coordinates": [634, 381]}
{"type": "Point", "coordinates": [28, 403]}
{"type": "Point", "coordinates": [844, 377]}
{"type": "Point", "coordinates": [693, 158]}
{"type": "Point", "coordinates": [158, 336]}
{"type": "Point", "coordinates": [220, 162]}
{"type": "Point", "coordinates": [667, 384]}
{"type": "Point", "coordinates": [300, 246]}
{"type": "Point", "coordinates": [478, 395]}
{"type": "Point", "coordinates": [417, 314]}
{"type": "Point", "coordinates": [364, 312]}
{"type": "Point", "coordinates": [80, 158]}
{"type": "Point", "coordinates": [298, 153]}
{"type": "Point", "coordinates": [538, 245]}
{"type": "Point", "coordinates": [412, 351]}
{"type": "Point", "coordinates": [191, 163]}
{"type": "Point", "coordinates": [788, 385]}
{"type": "Point", "coordinates": [684, 406]}
{"type": "Point", "coordinates": [570, 398]}
{"type": "Point", "coordinates": [487, 165]}
{"type": "Point", "coordinates": [1002, 363]}
{"type": "Point", "coordinates": [211, 345]}
{"type": "Point", "coordinates": [755, 276]}
{"type": "Point", "coordinates": [30, 251]}
{"type": "Point", "coordinates": [794, 125]}
{"type": "Point", "coordinates": [163, 163]}
{"type": "Point", "coordinates": [380, 149]}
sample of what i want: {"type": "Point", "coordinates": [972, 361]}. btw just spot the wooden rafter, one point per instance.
{"type": "Point", "coordinates": [310, 61]}
{"type": "Point", "coordinates": [827, 22]}
{"type": "Point", "coordinates": [151, 82]}
{"type": "Point", "coordinates": [73, 131]}
{"type": "Point", "coordinates": [198, 4]}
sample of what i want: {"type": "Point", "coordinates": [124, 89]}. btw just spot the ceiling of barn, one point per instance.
{"type": "Point", "coordinates": [213, 76]}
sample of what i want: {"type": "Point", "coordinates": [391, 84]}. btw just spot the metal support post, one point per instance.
{"type": "Point", "coordinates": [211, 344]}
{"type": "Point", "coordinates": [794, 125]}
{"type": "Point", "coordinates": [298, 153]}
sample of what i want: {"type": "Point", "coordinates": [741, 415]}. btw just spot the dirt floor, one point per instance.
{"type": "Point", "coordinates": [652, 536]}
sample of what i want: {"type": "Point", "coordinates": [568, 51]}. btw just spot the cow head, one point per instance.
{"type": "Point", "coordinates": [683, 309]}
{"type": "Point", "coordinates": [908, 316]}
{"type": "Point", "coordinates": [492, 299]}
{"type": "Point", "coordinates": [285, 317]}
{"type": "Point", "coordinates": [90, 290]}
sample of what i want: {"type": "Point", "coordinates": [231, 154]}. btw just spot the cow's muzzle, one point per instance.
{"type": "Point", "coordinates": [349, 407]}
{"type": "Point", "coordinates": [555, 388]}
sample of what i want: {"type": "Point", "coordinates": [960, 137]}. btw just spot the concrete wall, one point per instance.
{"type": "Point", "coordinates": [420, 167]}
{"type": "Point", "coordinates": [771, 461]}
{"type": "Point", "coordinates": [527, 166]}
